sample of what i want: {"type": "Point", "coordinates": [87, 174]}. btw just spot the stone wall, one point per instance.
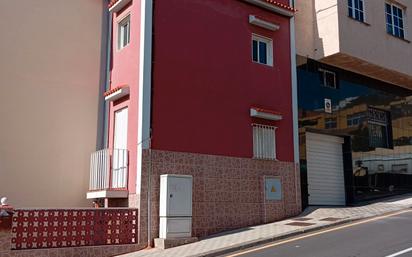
{"type": "Point", "coordinates": [228, 192]}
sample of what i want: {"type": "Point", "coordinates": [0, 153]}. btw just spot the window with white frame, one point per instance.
{"type": "Point", "coordinates": [262, 50]}
{"type": "Point", "coordinates": [264, 142]}
{"type": "Point", "coordinates": [395, 19]}
{"type": "Point", "coordinates": [356, 9]}
{"type": "Point", "coordinates": [328, 78]}
{"type": "Point", "coordinates": [124, 32]}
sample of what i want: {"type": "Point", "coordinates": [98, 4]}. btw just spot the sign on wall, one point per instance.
{"type": "Point", "coordinates": [328, 105]}
{"type": "Point", "coordinates": [273, 188]}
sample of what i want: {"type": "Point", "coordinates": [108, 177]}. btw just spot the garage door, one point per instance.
{"type": "Point", "coordinates": [325, 170]}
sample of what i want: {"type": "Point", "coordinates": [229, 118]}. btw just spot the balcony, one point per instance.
{"type": "Point", "coordinates": [109, 174]}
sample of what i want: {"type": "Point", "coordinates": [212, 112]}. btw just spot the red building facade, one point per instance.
{"type": "Point", "coordinates": [204, 88]}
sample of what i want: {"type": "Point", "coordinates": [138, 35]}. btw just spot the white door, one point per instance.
{"type": "Point", "coordinates": [120, 154]}
{"type": "Point", "coordinates": [326, 184]}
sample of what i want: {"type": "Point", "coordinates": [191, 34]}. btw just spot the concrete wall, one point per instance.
{"type": "Point", "coordinates": [50, 78]}
{"type": "Point", "coordinates": [372, 43]}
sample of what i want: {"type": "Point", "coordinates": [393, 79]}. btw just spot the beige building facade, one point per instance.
{"type": "Point", "coordinates": [325, 31]}
{"type": "Point", "coordinates": [51, 81]}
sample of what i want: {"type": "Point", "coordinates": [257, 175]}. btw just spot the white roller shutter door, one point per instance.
{"type": "Point", "coordinates": [325, 170]}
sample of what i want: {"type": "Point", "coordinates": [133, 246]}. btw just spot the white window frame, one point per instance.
{"type": "Point", "coordinates": [121, 30]}
{"type": "Point", "coordinates": [352, 15]}
{"type": "Point", "coordinates": [269, 49]}
{"type": "Point", "coordinates": [404, 28]}
{"type": "Point", "coordinates": [264, 142]}
{"type": "Point", "coordinates": [324, 72]}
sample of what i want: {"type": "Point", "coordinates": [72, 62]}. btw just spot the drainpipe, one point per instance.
{"type": "Point", "coordinates": [107, 83]}
{"type": "Point", "coordinates": [294, 99]}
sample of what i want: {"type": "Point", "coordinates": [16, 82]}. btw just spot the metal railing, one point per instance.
{"type": "Point", "coordinates": [109, 169]}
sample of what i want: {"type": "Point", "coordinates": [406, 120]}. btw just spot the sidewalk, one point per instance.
{"type": "Point", "coordinates": [313, 218]}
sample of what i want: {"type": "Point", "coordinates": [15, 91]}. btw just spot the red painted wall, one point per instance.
{"type": "Point", "coordinates": [125, 70]}
{"type": "Point", "coordinates": [204, 80]}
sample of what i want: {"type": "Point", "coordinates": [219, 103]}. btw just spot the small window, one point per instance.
{"type": "Point", "coordinates": [356, 9]}
{"type": "Point", "coordinates": [328, 78]}
{"type": "Point", "coordinates": [331, 123]}
{"type": "Point", "coordinates": [264, 142]}
{"type": "Point", "coordinates": [395, 20]}
{"type": "Point", "coordinates": [124, 32]}
{"type": "Point", "coordinates": [262, 50]}
{"type": "Point", "coordinates": [355, 120]}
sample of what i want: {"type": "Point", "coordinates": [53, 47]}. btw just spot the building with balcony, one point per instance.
{"type": "Point", "coordinates": [354, 84]}
{"type": "Point", "coordinates": [202, 88]}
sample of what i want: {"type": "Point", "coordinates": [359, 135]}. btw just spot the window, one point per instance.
{"type": "Point", "coordinates": [124, 32]}
{"type": "Point", "coordinates": [264, 142]}
{"type": "Point", "coordinates": [331, 123]}
{"type": "Point", "coordinates": [262, 50]}
{"type": "Point", "coordinates": [356, 9]}
{"type": "Point", "coordinates": [378, 123]}
{"type": "Point", "coordinates": [354, 120]}
{"type": "Point", "coordinates": [328, 78]}
{"type": "Point", "coordinates": [395, 20]}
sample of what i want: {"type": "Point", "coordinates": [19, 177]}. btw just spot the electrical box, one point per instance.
{"type": "Point", "coordinates": [175, 208]}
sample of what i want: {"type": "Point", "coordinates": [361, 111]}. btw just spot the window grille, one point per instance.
{"type": "Point", "coordinates": [264, 142]}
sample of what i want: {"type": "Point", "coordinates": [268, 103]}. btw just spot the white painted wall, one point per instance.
{"type": "Point", "coordinates": [49, 79]}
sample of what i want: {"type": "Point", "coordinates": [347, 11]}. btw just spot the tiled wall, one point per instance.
{"type": "Point", "coordinates": [228, 192]}
{"type": "Point", "coordinates": [86, 251]}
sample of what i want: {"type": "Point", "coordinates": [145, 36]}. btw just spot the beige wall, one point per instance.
{"type": "Point", "coordinates": [317, 28]}
{"type": "Point", "coordinates": [49, 78]}
{"type": "Point", "coordinates": [372, 43]}
{"type": "Point", "coordinates": [323, 29]}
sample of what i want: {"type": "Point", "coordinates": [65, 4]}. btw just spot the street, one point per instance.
{"type": "Point", "coordinates": [383, 237]}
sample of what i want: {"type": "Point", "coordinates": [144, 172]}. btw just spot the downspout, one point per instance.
{"type": "Point", "coordinates": [294, 100]}
{"type": "Point", "coordinates": [107, 83]}
{"type": "Point", "coordinates": [144, 102]}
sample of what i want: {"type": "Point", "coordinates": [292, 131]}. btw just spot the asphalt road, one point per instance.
{"type": "Point", "coordinates": [386, 237]}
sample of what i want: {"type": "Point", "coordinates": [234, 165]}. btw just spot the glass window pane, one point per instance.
{"type": "Point", "coordinates": [254, 51]}
{"type": "Point", "coordinates": [388, 19]}
{"type": "Point", "coordinates": [402, 33]}
{"type": "Point", "coordinates": [262, 52]}
{"type": "Point", "coordinates": [361, 17]}
{"type": "Point", "coordinates": [388, 9]}
{"type": "Point", "coordinates": [350, 3]}
{"type": "Point", "coordinates": [397, 33]}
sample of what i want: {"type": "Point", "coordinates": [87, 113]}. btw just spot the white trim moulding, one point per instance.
{"type": "Point", "coordinates": [264, 115]}
{"type": "Point", "coordinates": [271, 7]}
{"type": "Point", "coordinates": [117, 94]}
{"type": "Point", "coordinates": [262, 23]}
{"type": "Point", "coordinates": [119, 5]}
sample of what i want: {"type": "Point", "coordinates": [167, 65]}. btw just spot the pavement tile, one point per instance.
{"type": "Point", "coordinates": [323, 216]}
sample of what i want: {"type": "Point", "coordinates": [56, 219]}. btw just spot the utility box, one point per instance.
{"type": "Point", "coordinates": [175, 208]}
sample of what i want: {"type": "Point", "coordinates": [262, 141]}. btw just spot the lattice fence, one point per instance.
{"type": "Point", "coordinates": [34, 229]}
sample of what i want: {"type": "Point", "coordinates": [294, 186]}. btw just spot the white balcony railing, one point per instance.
{"type": "Point", "coordinates": [109, 169]}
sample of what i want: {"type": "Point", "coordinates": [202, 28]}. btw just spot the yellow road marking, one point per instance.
{"type": "Point", "coordinates": [319, 233]}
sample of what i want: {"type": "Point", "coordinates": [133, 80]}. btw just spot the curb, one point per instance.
{"type": "Point", "coordinates": [261, 241]}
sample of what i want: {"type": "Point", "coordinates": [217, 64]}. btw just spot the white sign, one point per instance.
{"type": "Point", "coordinates": [328, 105]}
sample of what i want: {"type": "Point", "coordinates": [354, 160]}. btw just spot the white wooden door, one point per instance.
{"type": "Point", "coordinates": [326, 184]}
{"type": "Point", "coordinates": [120, 154]}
